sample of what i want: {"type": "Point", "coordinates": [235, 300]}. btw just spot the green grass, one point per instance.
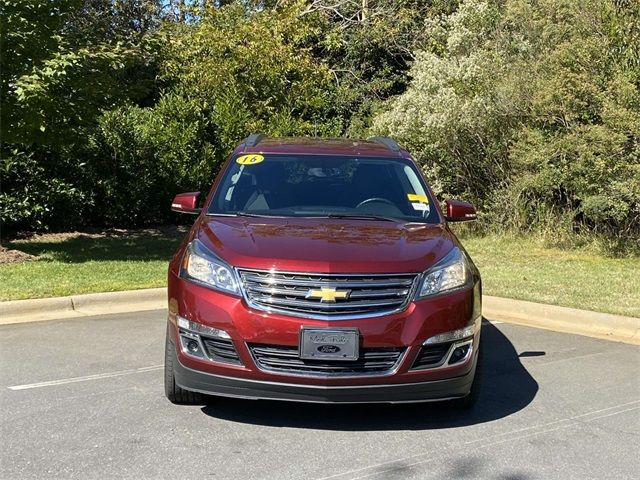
{"type": "Point", "coordinates": [84, 264]}
{"type": "Point", "coordinates": [511, 267]}
{"type": "Point", "coordinates": [525, 269]}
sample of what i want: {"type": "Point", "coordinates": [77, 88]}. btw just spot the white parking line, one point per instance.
{"type": "Point", "coordinates": [97, 376]}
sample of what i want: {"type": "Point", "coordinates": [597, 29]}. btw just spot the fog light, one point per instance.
{"type": "Point", "coordinates": [193, 346]}
{"type": "Point", "coordinates": [459, 353]}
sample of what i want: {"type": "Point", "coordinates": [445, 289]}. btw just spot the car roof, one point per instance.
{"type": "Point", "coordinates": [321, 146]}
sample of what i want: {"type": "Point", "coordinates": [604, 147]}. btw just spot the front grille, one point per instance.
{"type": "Point", "coordinates": [365, 294]}
{"type": "Point", "coordinates": [431, 355]}
{"type": "Point", "coordinates": [372, 361]}
{"type": "Point", "coordinates": [221, 350]}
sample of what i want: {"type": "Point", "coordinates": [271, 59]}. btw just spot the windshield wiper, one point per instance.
{"type": "Point", "coordinates": [249, 214]}
{"type": "Point", "coordinates": [328, 215]}
{"type": "Point", "coordinates": [363, 217]}
{"type": "Point", "coordinates": [239, 214]}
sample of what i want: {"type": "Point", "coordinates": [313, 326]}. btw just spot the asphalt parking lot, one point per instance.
{"type": "Point", "coordinates": [83, 398]}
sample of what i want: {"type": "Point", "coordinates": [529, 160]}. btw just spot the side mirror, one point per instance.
{"type": "Point", "coordinates": [186, 203]}
{"type": "Point", "coordinates": [458, 211]}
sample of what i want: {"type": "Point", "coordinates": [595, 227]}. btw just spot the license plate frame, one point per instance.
{"type": "Point", "coordinates": [341, 343]}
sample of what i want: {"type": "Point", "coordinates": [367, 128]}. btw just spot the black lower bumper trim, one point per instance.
{"type": "Point", "coordinates": [210, 384]}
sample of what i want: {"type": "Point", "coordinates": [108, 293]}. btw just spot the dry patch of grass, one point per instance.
{"type": "Point", "coordinates": [13, 256]}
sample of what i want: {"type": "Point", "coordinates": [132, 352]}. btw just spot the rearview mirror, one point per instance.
{"type": "Point", "coordinates": [458, 211]}
{"type": "Point", "coordinates": [186, 203]}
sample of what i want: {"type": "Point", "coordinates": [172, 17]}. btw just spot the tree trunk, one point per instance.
{"type": "Point", "coordinates": [365, 10]}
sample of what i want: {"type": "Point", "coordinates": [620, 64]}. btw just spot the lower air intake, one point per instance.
{"type": "Point", "coordinates": [285, 359]}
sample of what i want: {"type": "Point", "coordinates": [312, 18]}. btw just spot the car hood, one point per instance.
{"type": "Point", "coordinates": [325, 245]}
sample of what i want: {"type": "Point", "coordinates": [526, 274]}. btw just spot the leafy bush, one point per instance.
{"type": "Point", "coordinates": [59, 72]}
{"type": "Point", "coordinates": [146, 155]}
{"type": "Point", "coordinates": [96, 133]}
{"type": "Point", "coordinates": [529, 109]}
{"type": "Point", "coordinates": [251, 71]}
{"type": "Point", "coordinates": [32, 199]}
{"type": "Point", "coordinates": [533, 111]}
{"type": "Point", "coordinates": [229, 74]}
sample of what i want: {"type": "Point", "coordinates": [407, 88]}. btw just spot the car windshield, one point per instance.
{"type": "Point", "coordinates": [323, 186]}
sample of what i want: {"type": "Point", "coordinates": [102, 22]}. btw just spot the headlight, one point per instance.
{"type": "Point", "coordinates": [450, 273]}
{"type": "Point", "coordinates": [202, 266]}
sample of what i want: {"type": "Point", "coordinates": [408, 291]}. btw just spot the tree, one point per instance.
{"type": "Point", "coordinates": [369, 46]}
{"type": "Point", "coordinates": [530, 109]}
{"type": "Point", "coordinates": [62, 63]}
{"type": "Point", "coordinates": [232, 72]}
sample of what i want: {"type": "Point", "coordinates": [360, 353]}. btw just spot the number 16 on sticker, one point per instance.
{"type": "Point", "coordinates": [250, 159]}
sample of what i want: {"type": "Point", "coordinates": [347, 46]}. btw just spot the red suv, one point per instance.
{"type": "Point", "coordinates": [323, 271]}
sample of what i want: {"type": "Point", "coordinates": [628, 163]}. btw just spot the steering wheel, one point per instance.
{"type": "Point", "coordinates": [376, 199]}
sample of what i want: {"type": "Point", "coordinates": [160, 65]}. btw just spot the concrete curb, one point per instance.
{"type": "Point", "coordinates": [20, 311]}
{"type": "Point", "coordinates": [550, 317]}
{"type": "Point", "coordinates": [563, 319]}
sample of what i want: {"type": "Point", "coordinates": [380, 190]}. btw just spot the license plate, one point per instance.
{"type": "Point", "coordinates": [329, 344]}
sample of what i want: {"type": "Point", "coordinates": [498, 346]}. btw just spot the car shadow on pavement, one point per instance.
{"type": "Point", "coordinates": [507, 388]}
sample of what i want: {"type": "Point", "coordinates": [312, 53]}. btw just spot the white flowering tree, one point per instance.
{"type": "Point", "coordinates": [533, 106]}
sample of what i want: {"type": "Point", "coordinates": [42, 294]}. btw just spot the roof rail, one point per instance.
{"type": "Point", "coordinates": [253, 140]}
{"type": "Point", "coordinates": [390, 143]}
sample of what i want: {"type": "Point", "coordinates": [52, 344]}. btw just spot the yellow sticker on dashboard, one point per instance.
{"type": "Point", "coordinates": [413, 197]}
{"type": "Point", "coordinates": [250, 159]}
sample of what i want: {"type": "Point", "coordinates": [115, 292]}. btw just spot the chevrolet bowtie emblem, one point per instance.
{"type": "Point", "coordinates": [328, 294]}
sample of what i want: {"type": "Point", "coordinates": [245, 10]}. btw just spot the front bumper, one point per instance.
{"type": "Point", "coordinates": [213, 384]}
{"type": "Point", "coordinates": [246, 378]}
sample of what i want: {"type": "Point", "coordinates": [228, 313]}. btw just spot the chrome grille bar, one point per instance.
{"type": "Point", "coordinates": [269, 278]}
{"type": "Point", "coordinates": [359, 295]}
{"type": "Point", "coordinates": [323, 306]}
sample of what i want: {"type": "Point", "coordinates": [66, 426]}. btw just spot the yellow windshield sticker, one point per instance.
{"type": "Point", "coordinates": [413, 197]}
{"type": "Point", "coordinates": [250, 159]}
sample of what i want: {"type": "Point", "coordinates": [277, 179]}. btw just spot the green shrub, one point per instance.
{"type": "Point", "coordinates": [31, 198]}
{"type": "Point", "coordinates": [532, 110]}
{"type": "Point", "coordinates": [229, 74]}
{"type": "Point", "coordinates": [146, 155]}
{"type": "Point", "coordinates": [529, 109]}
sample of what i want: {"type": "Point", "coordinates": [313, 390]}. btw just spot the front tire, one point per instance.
{"type": "Point", "coordinates": [467, 402]}
{"type": "Point", "coordinates": [174, 393]}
